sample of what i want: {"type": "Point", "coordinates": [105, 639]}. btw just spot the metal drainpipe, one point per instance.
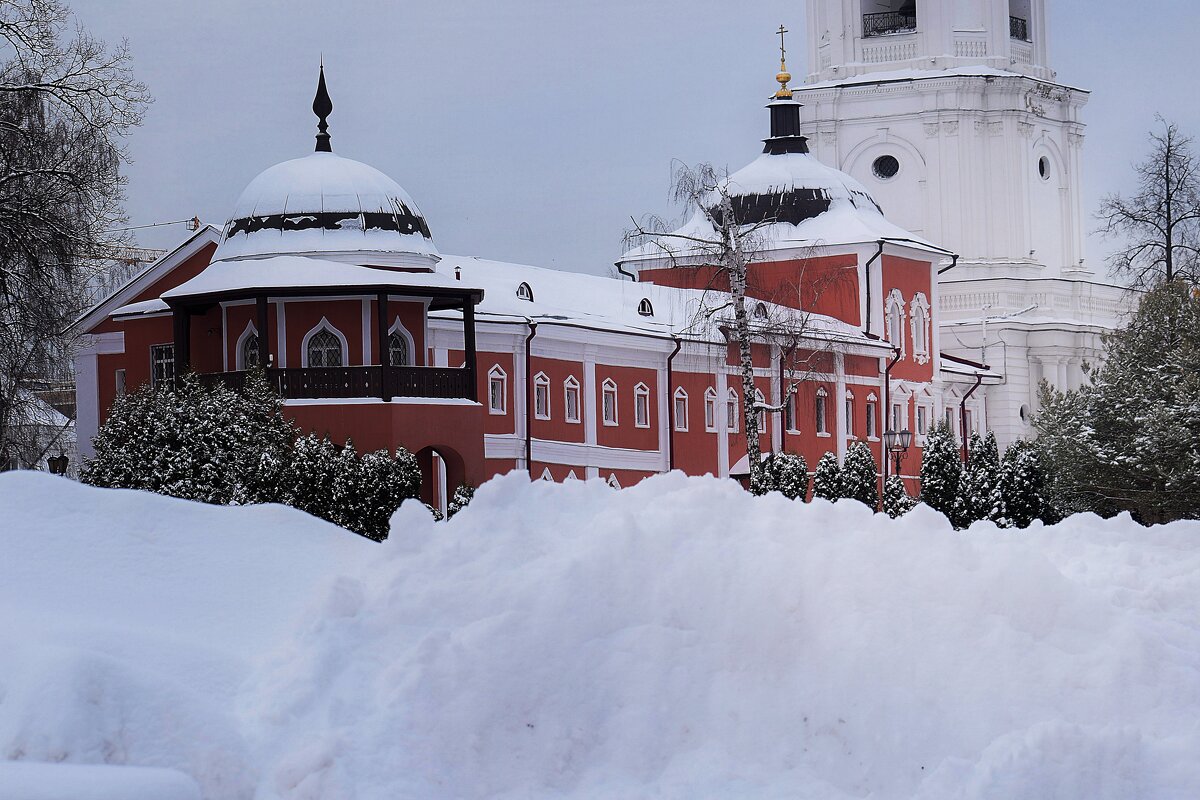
{"type": "Point", "coordinates": [962, 416]}
{"type": "Point", "coordinates": [953, 264]}
{"type": "Point", "coordinates": [867, 281]}
{"type": "Point", "coordinates": [671, 405]}
{"type": "Point", "coordinates": [621, 270]}
{"type": "Point", "coordinates": [887, 412]}
{"type": "Point", "coordinates": [529, 396]}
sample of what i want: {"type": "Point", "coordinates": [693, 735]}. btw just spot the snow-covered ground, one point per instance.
{"type": "Point", "coordinates": [679, 639]}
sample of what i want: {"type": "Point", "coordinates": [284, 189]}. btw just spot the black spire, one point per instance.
{"type": "Point", "coordinates": [785, 112]}
{"type": "Point", "coordinates": [322, 107]}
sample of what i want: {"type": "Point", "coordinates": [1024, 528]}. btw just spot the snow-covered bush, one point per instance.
{"type": "Point", "coordinates": [827, 480]}
{"type": "Point", "coordinates": [461, 497]}
{"type": "Point", "coordinates": [1022, 488]}
{"type": "Point", "coordinates": [786, 473]}
{"type": "Point", "coordinates": [860, 476]}
{"type": "Point", "coordinates": [217, 445]}
{"type": "Point", "coordinates": [896, 502]}
{"type": "Point", "coordinates": [941, 474]}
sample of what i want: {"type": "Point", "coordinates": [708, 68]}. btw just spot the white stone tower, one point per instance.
{"type": "Point", "coordinates": [949, 112]}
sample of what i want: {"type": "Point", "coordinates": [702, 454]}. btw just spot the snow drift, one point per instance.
{"type": "Point", "coordinates": [676, 639]}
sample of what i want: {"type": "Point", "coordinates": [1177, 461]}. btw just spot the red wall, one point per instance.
{"type": "Point", "coordinates": [557, 428]}
{"type": "Point", "coordinates": [625, 433]}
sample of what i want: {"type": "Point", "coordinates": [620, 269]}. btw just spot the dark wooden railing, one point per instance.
{"type": "Point", "coordinates": [1018, 28]}
{"type": "Point", "coordinates": [886, 22]}
{"type": "Point", "coordinates": [334, 382]}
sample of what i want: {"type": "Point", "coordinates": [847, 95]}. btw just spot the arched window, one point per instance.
{"type": "Point", "coordinates": [541, 396]}
{"type": "Point", "coordinates": [760, 311]}
{"type": "Point", "coordinates": [546, 476]}
{"type": "Point", "coordinates": [248, 353]}
{"type": "Point", "coordinates": [895, 319]}
{"type": "Point", "coordinates": [324, 348]}
{"type": "Point", "coordinates": [608, 397]}
{"type": "Point", "coordinates": [645, 309]}
{"type": "Point", "coordinates": [571, 399]}
{"type": "Point", "coordinates": [731, 411]}
{"type": "Point", "coordinates": [872, 416]}
{"type": "Point", "coordinates": [641, 406]}
{"type": "Point", "coordinates": [681, 409]}
{"type": "Point", "coordinates": [710, 409]}
{"type": "Point", "coordinates": [759, 398]}
{"type": "Point", "coordinates": [525, 292]}
{"type": "Point", "coordinates": [920, 328]}
{"type": "Point", "coordinates": [822, 412]}
{"type": "Point", "coordinates": [849, 414]}
{"type": "Point", "coordinates": [397, 349]}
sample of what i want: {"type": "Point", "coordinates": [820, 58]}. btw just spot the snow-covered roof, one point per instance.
{"type": "Point", "coordinates": [290, 273]}
{"type": "Point", "coordinates": [956, 367]}
{"type": "Point", "coordinates": [841, 211]}
{"type": "Point", "coordinates": [324, 203]}
{"type": "Point", "coordinates": [603, 303]}
{"type": "Point", "coordinates": [154, 306]}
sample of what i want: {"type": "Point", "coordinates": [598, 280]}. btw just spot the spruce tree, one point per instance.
{"type": "Point", "coordinates": [860, 476]}
{"type": "Point", "coordinates": [1022, 496]}
{"type": "Point", "coordinates": [981, 479]}
{"type": "Point", "coordinates": [460, 500]}
{"type": "Point", "coordinates": [896, 502]}
{"type": "Point", "coordinates": [786, 473]}
{"type": "Point", "coordinates": [827, 480]}
{"type": "Point", "coordinates": [941, 474]}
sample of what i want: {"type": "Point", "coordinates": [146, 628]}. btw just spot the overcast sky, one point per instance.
{"type": "Point", "coordinates": [531, 130]}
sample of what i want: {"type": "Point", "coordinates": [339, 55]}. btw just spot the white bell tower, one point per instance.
{"type": "Point", "coordinates": [948, 111]}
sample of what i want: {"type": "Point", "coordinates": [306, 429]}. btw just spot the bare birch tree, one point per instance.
{"type": "Point", "coordinates": [1160, 223]}
{"type": "Point", "coordinates": [67, 102]}
{"type": "Point", "coordinates": [723, 249]}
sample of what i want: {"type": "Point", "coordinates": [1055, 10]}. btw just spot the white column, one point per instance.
{"type": "Point", "coordinates": [839, 375]}
{"type": "Point", "coordinates": [589, 396]}
{"type": "Point", "coordinates": [722, 424]}
{"type": "Point", "coordinates": [664, 416]}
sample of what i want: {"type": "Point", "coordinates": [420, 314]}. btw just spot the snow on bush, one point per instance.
{"type": "Point", "coordinates": [680, 638]}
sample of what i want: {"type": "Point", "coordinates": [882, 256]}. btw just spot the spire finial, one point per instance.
{"type": "Point", "coordinates": [784, 93]}
{"type": "Point", "coordinates": [322, 106]}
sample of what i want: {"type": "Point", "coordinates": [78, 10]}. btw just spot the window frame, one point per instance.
{"type": "Point", "coordinates": [710, 410]}
{"type": "Point", "coordinates": [681, 420]}
{"type": "Point", "coordinates": [571, 386]}
{"type": "Point", "coordinates": [919, 322]}
{"type": "Point", "coordinates": [541, 396]}
{"type": "Point", "coordinates": [894, 311]}
{"type": "Point", "coordinates": [821, 412]}
{"type": "Point", "coordinates": [732, 411]}
{"type": "Point", "coordinates": [239, 353]}
{"type": "Point", "coordinates": [609, 388]}
{"type": "Point", "coordinates": [872, 420]}
{"type": "Point", "coordinates": [849, 404]}
{"type": "Point", "coordinates": [497, 376]}
{"type": "Point", "coordinates": [324, 326]}
{"type": "Point", "coordinates": [398, 329]}
{"type": "Point", "coordinates": [760, 413]}
{"type": "Point", "coordinates": [166, 374]}
{"type": "Point", "coordinates": [641, 406]}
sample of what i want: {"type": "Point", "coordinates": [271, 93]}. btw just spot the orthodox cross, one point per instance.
{"type": "Point", "coordinates": [782, 53]}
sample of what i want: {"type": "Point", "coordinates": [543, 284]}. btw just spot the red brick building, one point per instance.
{"type": "Point", "coordinates": [327, 274]}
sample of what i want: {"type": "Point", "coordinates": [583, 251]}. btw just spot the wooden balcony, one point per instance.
{"type": "Point", "coordinates": [342, 382]}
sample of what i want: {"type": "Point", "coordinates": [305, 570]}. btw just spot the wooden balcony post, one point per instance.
{"type": "Point", "coordinates": [264, 335]}
{"type": "Point", "coordinates": [469, 341]}
{"type": "Point", "coordinates": [385, 355]}
{"type": "Point", "coordinates": [182, 322]}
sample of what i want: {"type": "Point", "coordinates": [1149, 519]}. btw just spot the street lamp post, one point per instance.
{"type": "Point", "coordinates": [897, 443]}
{"type": "Point", "coordinates": [58, 464]}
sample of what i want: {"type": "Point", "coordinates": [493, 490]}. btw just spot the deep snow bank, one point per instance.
{"type": "Point", "coordinates": [676, 639]}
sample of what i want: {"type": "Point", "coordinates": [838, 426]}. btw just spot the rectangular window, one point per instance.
{"type": "Point", "coordinates": [872, 425]}
{"type": "Point", "coordinates": [710, 413]}
{"type": "Point", "coordinates": [849, 419]}
{"type": "Point", "coordinates": [496, 394]}
{"type": "Point", "coordinates": [970, 423]}
{"type": "Point", "coordinates": [609, 405]}
{"type": "Point", "coordinates": [731, 413]}
{"type": "Point", "coordinates": [922, 421]}
{"type": "Point", "coordinates": [761, 417]}
{"type": "Point", "coordinates": [120, 383]}
{"type": "Point", "coordinates": [541, 400]}
{"type": "Point", "coordinates": [572, 400]}
{"type": "Point", "coordinates": [789, 413]}
{"type": "Point", "coordinates": [162, 364]}
{"type": "Point", "coordinates": [897, 417]}
{"type": "Point", "coordinates": [820, 409]}
{"type": "Point", "coordinates": [641, 409]}
{"type": "Point", "coordinates": [681, 412]}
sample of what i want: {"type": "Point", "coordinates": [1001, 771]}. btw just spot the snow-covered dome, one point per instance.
{"type": "Point", "coordinates": [336, 207]}
{"type": "Point", "coordinates": [791, 187]}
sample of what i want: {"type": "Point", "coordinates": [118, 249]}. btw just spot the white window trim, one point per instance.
{"type": "Point", "coordinates": [792, 425]}
{"type": "Point", "coordinates": [610, 387]}
{"type": "Point", "coordinates": [849, 403]}
{"type": "Point", "coordinates": [323, 324]}
{"type": "Point", "coordinates": [398, 327]}
{"type": "Point", "coordinates": [710, 401]}
{"type": "Point", "coordinates": [571, 476]}
{"type": "Point", "coordinates": [546, 476]}
{"type": "Point", "coordinates": [921, 437]}
{"type": "Point", "coordinates": [569, 385]}
{"type": "Point", "coordinates": [761, 413]}
{"type": "Point", "coordinates": [920, 322]}
{"type": "Point", "coordinates": [496, 373]}
{"type": "Point", "coordinates": [239, 363]}
{"type": "Point", "coordinates": [540, 381]}
{"type": "Point", "coordinates": [873, 402]}
{"type": "Point", "coordinates": [681, 425]}
{"type": "Point", "coordinates": [641, 392]}
{"type": "Point", "coordinates": [821, 421]}
{"type": "Point", "coordinates": [613, 482]}
{"type": "Point", "coordinates": [732, 411]}
{"type": "Point", "coordinates": [895, 300]}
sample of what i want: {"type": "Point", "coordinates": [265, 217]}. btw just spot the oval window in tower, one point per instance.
{"type": "Point", "coordinates": [1044, 168]}
{"type": "Point", "coordinates": [885, 167]}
